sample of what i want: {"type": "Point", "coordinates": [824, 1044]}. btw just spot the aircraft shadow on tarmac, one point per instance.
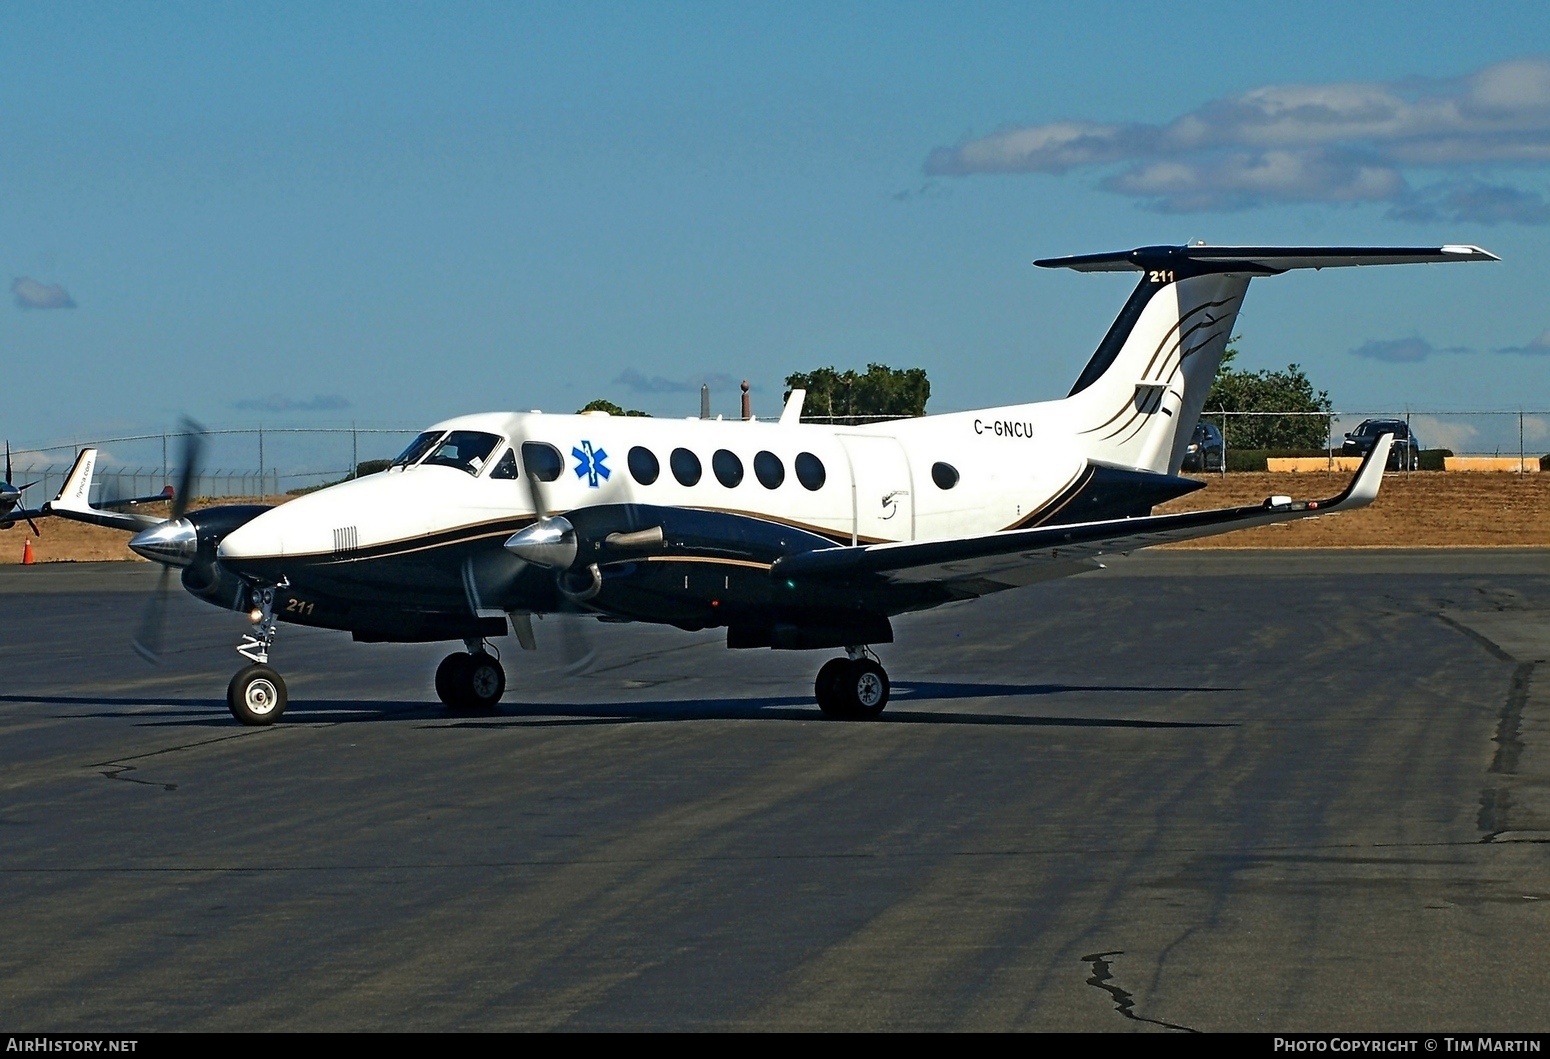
{"type": "Point", "coordinates": [511, 714]}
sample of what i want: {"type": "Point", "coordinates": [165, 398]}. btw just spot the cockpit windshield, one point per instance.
{"type": "Point", "coordinates": [464, 449]}
{"type": "Point", "coordinates": [417, 448]}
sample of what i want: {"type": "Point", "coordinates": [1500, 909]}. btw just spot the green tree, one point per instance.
{"type": "Point", "coordinates": [601, 405]}
{"type": "Point", "coordinates": [1269, 391]}
{"type": "Point", "coordinates": [850, 397]}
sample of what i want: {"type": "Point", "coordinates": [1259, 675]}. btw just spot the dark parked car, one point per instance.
{"type": "Point", "coordinates": [1405, 455]}
{"type": "Point", "coordinates": [1205, 448]}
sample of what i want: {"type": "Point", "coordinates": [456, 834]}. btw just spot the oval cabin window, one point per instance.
{"type": "Point", "coordinates": [945, 475]}
{"type": "Point", "coordinates": [543, 461]}
{"type": "Point", "coordinates": [644, 467]}
{"type": "Point", "coordinates": [810, 471]}
{"type": "Point", "coordinates": [769, 470]}
{"type": "Point", "coordinates": [728, 468]}
{"type": "Point", "coordinates": [686, 466]}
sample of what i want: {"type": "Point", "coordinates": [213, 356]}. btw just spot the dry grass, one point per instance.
{"type": "Point", "coordinates": [64, 541]}
{"type": "Point", "coordinates": [1420, 510]}
{"type": "Point", "coordinates": [1424, 509]}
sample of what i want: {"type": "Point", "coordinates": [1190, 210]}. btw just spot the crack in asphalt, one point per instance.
{"type": "Point", "coordinates": [1496, 802]}
{"type": "Point", "coordinates": [119, 768]}
{"type": "Point", "coordinates": [1124, 1002]}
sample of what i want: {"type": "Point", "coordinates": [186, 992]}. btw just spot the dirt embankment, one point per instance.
{"type": "Point", "coordinates": [64, 541]}
{"type": "Point", "coordinates": [1424, 509]}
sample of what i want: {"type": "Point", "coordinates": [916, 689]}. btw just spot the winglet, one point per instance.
{"type": "Point", "coordinates": [791, 415]}
{"type": "Point", "coordinates": [1363, 489]}
{"type": "Point", "coordinates": [74, 500]}
{"type": "Point", "coordinates": [75, 494]}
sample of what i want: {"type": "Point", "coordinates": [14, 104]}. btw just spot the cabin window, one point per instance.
{"type": "Point", "coordinates": [686, 466]}
{"type": "Point", "coordinates": [644, 467]}
{"type": "Point", "coordinates": [945, 475]}
{"type": "Point", "coordinates": [465, 450]}
{"type": "Point", "coordinates": [810, 471]}
{"type": "Point", "coordinates": [417, 448]}
{"type": "Point", "coordinates": [542, 460]}
{"type": "Point", "coordinates": [769, 470]}
{"type": "Point", "coordinates": [728, 468]}
{"type": "Point", "coordinates": [506, 467]}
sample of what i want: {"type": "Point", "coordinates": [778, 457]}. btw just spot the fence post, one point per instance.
{"type": "Point", "coordinates": [355, 451]}
{"type": "Point", "coordinates": [1520, 441]}
{"type": "Point", "coordinates": [261, 456]}
{"type": "Point", "coordinates": [164, 473]}
{"type": "Point", "coordinates": [1223, 470]}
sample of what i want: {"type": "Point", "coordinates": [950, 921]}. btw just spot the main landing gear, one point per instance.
{"type": "Point", "coordinates": [852, 688]}
{"type": "Point", "coordinates": [256, 695]}
{"type": "Point", "coordinates": [472, 681]}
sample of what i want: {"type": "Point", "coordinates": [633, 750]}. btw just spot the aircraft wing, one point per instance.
{"type": "Point", "coordinates": [74, 500]}
{"type": "Point", "coordinates": [993, 561]}
{"type": "Point", "coordinates": [21, 514]}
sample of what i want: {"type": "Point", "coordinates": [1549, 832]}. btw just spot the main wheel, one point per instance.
{"type": "Point", "coordinates": [825, 686]}
{"type": "Point", "coordinates": [483, 682]}
{"type": "Point", "coordinates": [855, 689]}
{"type": "Point", "coordinates": [865, 688]}
{"type": "Point", "coordinates": [449, 678]}
{"type": "Point", "coordinates": [256, 695]}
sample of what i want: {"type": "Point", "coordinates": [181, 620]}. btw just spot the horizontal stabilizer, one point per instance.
{"type": "Point", "coordinates": [1261, 260]}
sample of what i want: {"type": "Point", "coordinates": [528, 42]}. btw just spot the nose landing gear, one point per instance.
{"type": "Point", "coordinates": [852, 688]}
{"type": "Point", "coordinates": [256, 695]}
{"type": "Point", "coordinates": [472, 681]}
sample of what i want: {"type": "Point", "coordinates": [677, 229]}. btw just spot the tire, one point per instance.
{"type": "Point", "coordinates": [449, 679]}
{"type": "Point", "coordinates": [859, 690]}
{"type": "Point", "coordinates": [256, 695]}
{"type": "Point", "coordinates": [483, 682]}
{"type": "Point", "coordinates": [825, 687]}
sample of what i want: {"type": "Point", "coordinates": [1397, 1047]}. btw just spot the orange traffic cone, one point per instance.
{"type": "Point", "coordinates": [26, 551]}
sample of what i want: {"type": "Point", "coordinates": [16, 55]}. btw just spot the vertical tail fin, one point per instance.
{"type": "Point", "coordinates": [1137, 401]}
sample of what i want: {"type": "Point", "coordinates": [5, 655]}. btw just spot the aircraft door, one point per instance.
{"type": "Point", "coordinates": [882, 500]}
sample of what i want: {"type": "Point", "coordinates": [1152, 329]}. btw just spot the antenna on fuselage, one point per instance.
{"type": "Point", "coordinates": [704, 400]}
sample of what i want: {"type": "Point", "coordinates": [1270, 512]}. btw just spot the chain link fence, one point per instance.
{"type": "Point", "coordinates": [1523, 435]}
{"type": "Point", "coordinates": [252, 462]}
{"type": "Point", "coordinates": [233, 463]}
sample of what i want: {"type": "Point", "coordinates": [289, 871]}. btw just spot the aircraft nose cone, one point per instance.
{"type": "Point", "coordinates": [172, 543]}
{"type": "Point", "coordinates": [547, 542]}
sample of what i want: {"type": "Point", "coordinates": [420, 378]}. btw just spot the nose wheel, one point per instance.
{"type": "Point", "coordinates": [256, 695]}
{"type": "Point", "coordinates": [853, 688]}
{"type": "Point", "coordinates": [471, 681]}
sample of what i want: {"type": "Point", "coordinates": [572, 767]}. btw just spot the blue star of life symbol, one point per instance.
{"type": "Point", "coordinates": [589, 463]}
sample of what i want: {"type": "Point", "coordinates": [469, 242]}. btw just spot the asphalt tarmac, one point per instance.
{"type": "Point", "coordinates": [1196, 791]}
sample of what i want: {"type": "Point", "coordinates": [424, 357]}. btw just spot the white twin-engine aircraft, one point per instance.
{"type": "Point", "coordinates": [789, 535]}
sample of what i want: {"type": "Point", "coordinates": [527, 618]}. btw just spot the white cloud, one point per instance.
{"type": "Point", "coordinates": [1339, 142]}
{"type": "Point", "coordinates": [1438, 433]}
{"type": "Point", "coordinates": [30, 294]}
{"type": "Point", "coordinates": [1402, 350]}
{"type": "Point", "coordinates": [1539, 347]}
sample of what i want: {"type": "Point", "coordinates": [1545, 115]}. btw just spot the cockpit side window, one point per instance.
{"type": "Point", "coordinates": [543, 461]}
{"type": "Point", "coordinates": [464, 449]}
{"type": "Point", "coordinates": [506, 467]}
{"type": "Point", "coordinates": [417, 448]}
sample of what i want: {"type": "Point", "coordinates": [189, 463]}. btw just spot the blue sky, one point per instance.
{"type": "Point", "coordinates": [318, 213]}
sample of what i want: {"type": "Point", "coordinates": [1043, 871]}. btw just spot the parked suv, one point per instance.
{"type": "Point", "coordinates": [1205, 448]}
{"type": "Point", "coordinates": [1404, 455]}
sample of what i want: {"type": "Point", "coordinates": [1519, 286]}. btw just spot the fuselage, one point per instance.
{"type": "Point", "coordinates": [422, 543]}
